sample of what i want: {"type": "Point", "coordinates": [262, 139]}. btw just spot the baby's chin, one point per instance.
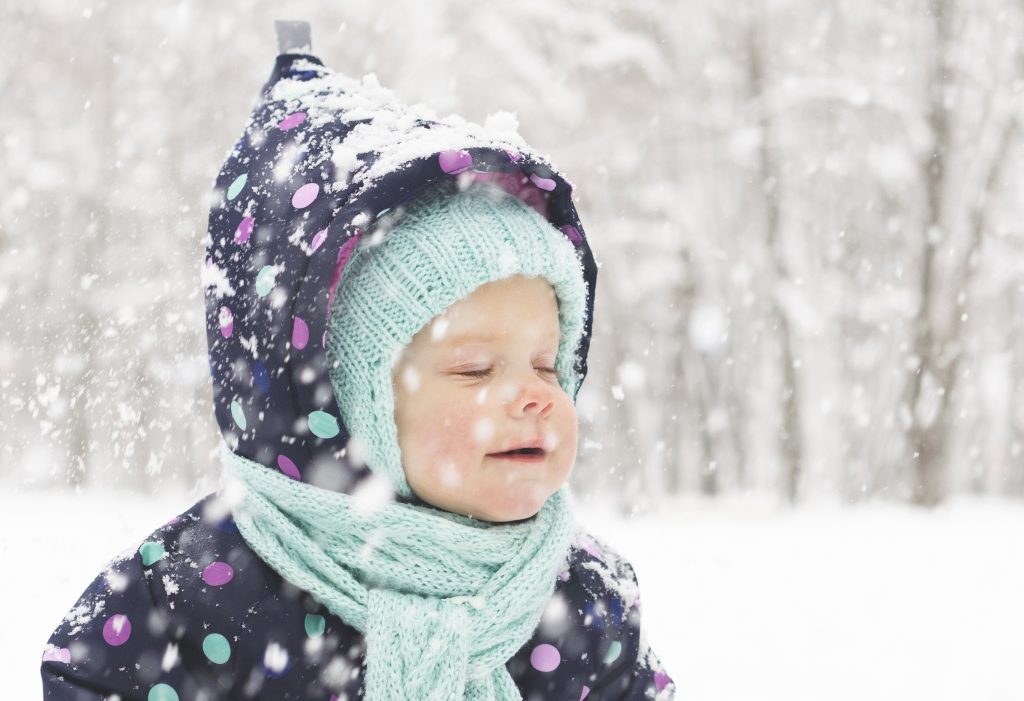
{"type": "Point", "coordinates": [516, 503]}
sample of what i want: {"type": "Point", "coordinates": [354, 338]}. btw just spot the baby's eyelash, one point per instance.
{"type": "Point", "coordinates": [487, 371]}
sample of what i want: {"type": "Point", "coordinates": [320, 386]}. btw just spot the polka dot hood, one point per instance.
{"type": "Point", "coordinates": [192, 612]}
{"type": "Point", "coordinates": [323, 159]}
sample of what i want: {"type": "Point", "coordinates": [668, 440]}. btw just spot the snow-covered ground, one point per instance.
{"type": "Point", "coordinates": [742, 599]}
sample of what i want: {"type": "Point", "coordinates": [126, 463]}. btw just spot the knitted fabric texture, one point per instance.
{"type": "Point", "coordinates": [442, 600]}
{"type": "Point", "coordinates": [444, 245]}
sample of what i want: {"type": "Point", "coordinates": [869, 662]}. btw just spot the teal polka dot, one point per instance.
{"type": "Point", "coordinates": [315, 625]}
{"type": "Point", "coordinates": [151, 552]}
{"type": "Point", "coordinates": [614, 650]}
{"type": "Point", "coordinates": [323, 425]}
{"type": "Point", "coordinates": [162, 692]}
{"type": "Point", "coordinates": [265, 280]}
{"type": "Point", "coordinates": [238, 415]}
{"type": "Point", "coordinates": [216, 648]}
{"type": "Point", "coordinates": [237, 186]}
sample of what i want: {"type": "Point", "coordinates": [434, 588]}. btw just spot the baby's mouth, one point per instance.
{"type": "Point", "coordinates": [521, 454]}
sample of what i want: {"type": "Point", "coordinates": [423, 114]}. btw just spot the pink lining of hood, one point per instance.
{"type": "Point", "coordinates": [515, 183]}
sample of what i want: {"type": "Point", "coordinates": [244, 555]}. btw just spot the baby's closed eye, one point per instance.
{"type": "Point", "coordinates": [485, 372]}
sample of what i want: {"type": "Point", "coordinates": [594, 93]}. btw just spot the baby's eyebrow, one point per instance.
{"type": "Point", "coordinates": [477, 337]}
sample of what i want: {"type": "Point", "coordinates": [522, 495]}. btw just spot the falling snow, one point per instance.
{"type": "Point", "coordinates": [811, 263]}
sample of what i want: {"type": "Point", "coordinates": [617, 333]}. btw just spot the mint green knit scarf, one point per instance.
{"type": "Point", "coordinates": [442, 600]}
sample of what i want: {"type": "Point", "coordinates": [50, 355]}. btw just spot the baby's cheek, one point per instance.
{"type": "Point", "coordinates": [452, 436]}
{"type": "Point", "coordinates": [563, 432]}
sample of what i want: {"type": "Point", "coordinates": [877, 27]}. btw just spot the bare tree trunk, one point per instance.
{"type": "Point", "coordinates": [696, 380]}
{"type": "Point", "coordinates": [672, 421]}
{"type": "Point", "coordinates": [789, 430]}
{"type": "Point", "coordinates": [686, 395]}
{"type": "Point", "coordinates": [927, 425]}
{"type": "Point", "coordinates": [84, 328]}
{"type": "Point", "coordinates": [938, 325]}
{"type": "Point", "coordinates": [1015, 480]}
{"type": "Point", "coordinates": [735, 410]}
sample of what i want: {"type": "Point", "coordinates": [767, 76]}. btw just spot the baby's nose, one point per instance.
{"type": "Point", "coordinates": [533, 396]}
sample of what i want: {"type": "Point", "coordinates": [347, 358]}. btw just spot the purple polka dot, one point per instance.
{"type": "Point", "coordinates": [227, 322]}
{"type": "Point", "coordinates": [117, 630]}
{"type": "Point", "coordinates": [572, 233]}
{"type": "Point", "coordinates": [455, 161]}
{"type": "Point", "coordinates": [318, 239]}
{"type": "Point", "coordinates": [300, 333]}
{"type": "Point", "coordinates": [305, 195]}
{"type": "Point", "coordinates": [513, 156]}
{"type": "Point", "coordinates": [57, 654]}
{"type": "Point", "coordinates": [585, 693]}
{"type": "Point", "coordinates": [661, 680]}
{"type": "Point", "coordinates": [285, 464]}
{"type": "Point", "coordinates": [218, 573]}
{"type": "Point", "coordinates": [291, 121]}
{"type": "Point", "coordinates": [545, 658]}
{"type": "Point", "coordinates": [543, 183]}
{"type": "Point", "coordinates": [244, 230]}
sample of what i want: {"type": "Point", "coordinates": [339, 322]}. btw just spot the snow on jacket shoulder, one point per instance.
{"type": "Point", "coordinates": [195, 614]}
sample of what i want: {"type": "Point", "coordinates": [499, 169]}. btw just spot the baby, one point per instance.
{"type": "Point", "coordinates": [399, 317]}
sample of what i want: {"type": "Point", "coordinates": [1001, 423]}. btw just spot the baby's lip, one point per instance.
{"type": "Point", "coordinates": [535, 444]}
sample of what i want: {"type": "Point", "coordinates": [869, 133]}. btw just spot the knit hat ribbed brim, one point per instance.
{"type": "Point", "coordinates": [445, 244]}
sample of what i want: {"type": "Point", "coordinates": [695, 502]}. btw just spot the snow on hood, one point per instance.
{"type": "Point", "coordinates": [321, 158]}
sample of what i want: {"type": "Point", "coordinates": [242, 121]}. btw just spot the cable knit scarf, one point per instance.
{"type": "Point", "coordinates": [442, 600]}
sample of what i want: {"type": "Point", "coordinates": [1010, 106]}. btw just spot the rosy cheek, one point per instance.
{"type": "Point", "coordinates": [561, 433]}
{"type": "Point", "coordinates": [449, 434]}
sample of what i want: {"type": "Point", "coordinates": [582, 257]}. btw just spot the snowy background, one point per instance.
{"type": "Point", "coordinates": [804, 421]}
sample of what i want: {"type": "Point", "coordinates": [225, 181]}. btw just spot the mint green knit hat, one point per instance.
{"type": "Point", "coordinates": [444, 244]}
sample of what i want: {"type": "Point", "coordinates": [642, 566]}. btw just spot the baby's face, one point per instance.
{"type": "Point", "coordinates": [476, 381]}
